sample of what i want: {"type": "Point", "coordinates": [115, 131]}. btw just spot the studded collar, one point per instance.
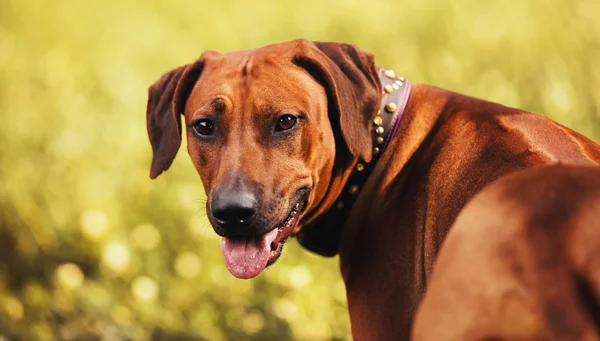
{"type": "Point", "coordinates": [322, 235]}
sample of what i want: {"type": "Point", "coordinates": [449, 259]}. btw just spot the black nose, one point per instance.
{"type": "Point", "coordinates": [234, 209]}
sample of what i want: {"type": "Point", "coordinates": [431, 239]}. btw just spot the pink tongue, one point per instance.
{"type": "Point", "coordinates": [246, 258]}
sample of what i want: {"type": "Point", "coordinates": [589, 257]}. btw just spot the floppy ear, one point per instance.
{"type": "Point", "coordinates": [166, 101]}
{"type": "Point", "coordinates": [351, 81]}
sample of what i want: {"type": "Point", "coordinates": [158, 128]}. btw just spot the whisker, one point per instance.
{"type": "Point", "coordinates": [201, 200]}
{"type": "Point", "coordinates": [207, 226]}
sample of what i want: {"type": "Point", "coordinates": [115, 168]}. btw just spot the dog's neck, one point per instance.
{"type": "Point", "coordinates": [322, 235]}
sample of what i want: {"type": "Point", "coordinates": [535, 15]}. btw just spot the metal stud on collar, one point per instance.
{"type": "Point", "coordinates": [390, 108]}
{"type": "Point", "coordinates": [332, 220]}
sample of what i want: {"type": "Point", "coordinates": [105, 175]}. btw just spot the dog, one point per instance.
{"type": "Point", "coordinates": [314, 140]}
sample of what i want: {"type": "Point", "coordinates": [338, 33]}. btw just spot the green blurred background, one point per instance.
{"type": "Point", "coordinates": [91, 249]}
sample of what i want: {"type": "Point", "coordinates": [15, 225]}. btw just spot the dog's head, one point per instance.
{"type": "Point", "coordinates": [273, 133]}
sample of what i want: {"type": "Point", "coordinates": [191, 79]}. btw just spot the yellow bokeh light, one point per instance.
{"type": "Point", "coordinates": [319, 330]}
{"type": "Point", "coordinates": [14, 308]}
{"type": "Point", "coordinates": [94, 224]}
{"type": "Point", "coordinates": [121, 315]}
{"type": "Point", "coordinates": [145, 236]}
{"type": "Point", "coordinates": [300, 276]}
{"type": "Point", "coordinates": [188, 265]}
{"type": "Point", "coordinates": [284, 309]}
{"type": "Point", "coordinates": [69, 275]}
{"type": "Point", "coordinates": [144, 288]}
{"type": "Point", "coordinates": [116, 256]}
{"type": "Point", "coordinates": [253, 323]}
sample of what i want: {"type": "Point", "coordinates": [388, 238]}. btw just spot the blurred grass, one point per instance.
{"type": "Point", "coordinates": [91, 249]}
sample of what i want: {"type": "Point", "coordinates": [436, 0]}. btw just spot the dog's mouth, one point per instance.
{"type": "Point", "coordinates": [247, 257]}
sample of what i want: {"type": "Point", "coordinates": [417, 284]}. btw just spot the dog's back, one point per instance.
{"type": "Point", "coordinates": [407, 210]}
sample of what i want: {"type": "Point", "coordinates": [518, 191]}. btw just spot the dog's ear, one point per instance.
{"type": "Point", "coordinates": [351, 81]}
{"type": "Point", "coordinates": [166, 101]}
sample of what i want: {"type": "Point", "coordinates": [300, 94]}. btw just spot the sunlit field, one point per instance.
{"type": "Point", "coordinates": [92, 249]}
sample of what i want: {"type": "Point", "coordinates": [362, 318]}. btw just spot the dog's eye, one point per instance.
{"type": "Point", "coordinates": [286, 122]}
{"type": "Point", "coordinates": [204, 127]}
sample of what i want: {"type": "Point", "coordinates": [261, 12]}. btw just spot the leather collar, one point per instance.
{"type": "Point", "coordinates": [322, 235]}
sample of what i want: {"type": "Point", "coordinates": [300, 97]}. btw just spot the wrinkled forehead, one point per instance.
{"type": "Point", "coordinates": [259, 77]}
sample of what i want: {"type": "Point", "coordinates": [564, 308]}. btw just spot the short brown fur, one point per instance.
{"type": "Point", "coordinates": [449, 148]}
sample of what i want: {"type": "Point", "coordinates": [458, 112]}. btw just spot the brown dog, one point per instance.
{"type": "Point", "coordinates": [312, 139]}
